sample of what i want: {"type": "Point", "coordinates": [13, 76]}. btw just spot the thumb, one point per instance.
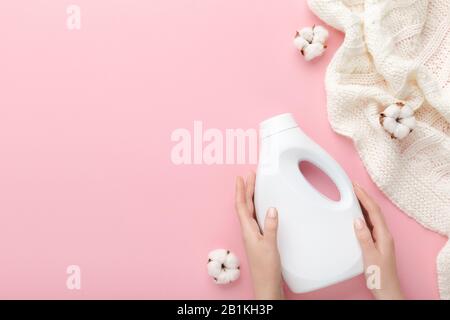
{"type": "Point", "coordinates": [365, 240]}
{"type": "Point", "coordinates": [271, 225]}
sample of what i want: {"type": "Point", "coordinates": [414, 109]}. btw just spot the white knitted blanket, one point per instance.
{"type": "Point", "coordinates": [396, 50]}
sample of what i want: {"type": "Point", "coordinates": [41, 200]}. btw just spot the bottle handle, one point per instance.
{"type": "Point", "coordinates": [334, 171]}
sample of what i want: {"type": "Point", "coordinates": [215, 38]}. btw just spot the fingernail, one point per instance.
{"type": "Point", "coordinates": [356, 184]}
{"type": "Point", "coordinates": [359, 223]}
{"type": "Point", "coordinates": [272, 213]}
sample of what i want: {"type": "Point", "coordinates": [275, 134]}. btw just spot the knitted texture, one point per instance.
{"type": "Point", "coordinates": [396, 51]}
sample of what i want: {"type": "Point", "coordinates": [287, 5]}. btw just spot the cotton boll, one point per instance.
{"type": "Point", "coordinates": [311, 41]}
{"type": "Point", "coordinates": [228, 276]}
{"type": "Point", "coordinates": [223, 266]}
{"type": "Point", "coordinates": [389, 124]}
{"type": "Point", "coordinates": [398, 119]}
{"type": "Point", "coordinates": [218, 254]}
{"type": "Point", "coordinates": [307, 34]}
{"type": "Point", "coordinates": [300, 43]}
{"type": "Point", "coordinates": [409, 122]}
{"type": "Point", "coordinates": [406, 112]}
{"type": "Point", "coordinates": [393, 111]}
{"type": "Point", "coordinates": [234, 274]}
{"type": "Point", "coordinates": [222, 278]}
{"type": "Point", "coordinates": [214, 268]}
{"type": "Point", "coordinates": [313, 50]}
{"type": "Point", "coordinates": [320, 35]}
{"type": "Point", "coordinates": [232, 262]}
{"type": "Point", "coordinates": [401, 131]}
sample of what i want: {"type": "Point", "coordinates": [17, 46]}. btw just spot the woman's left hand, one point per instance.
{"type": "Point", "coordinates": [262, 250]}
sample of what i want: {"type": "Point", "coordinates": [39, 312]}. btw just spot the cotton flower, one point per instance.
{"type": "Point", "coordinates": [223, 266]}
{"type": "Point", "coordinates": [311, 41]}
{"type": "Point", "coordinates": [398, 119]}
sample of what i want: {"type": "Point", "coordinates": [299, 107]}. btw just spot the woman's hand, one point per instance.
{"type": "Point", "coordinates": [262, 250]}
{"type": "Point", "coordinates": [378, 248]}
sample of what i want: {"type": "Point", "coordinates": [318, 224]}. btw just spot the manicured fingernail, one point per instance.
{"type": "Point", "coordinates": [272, 213]}
{"type": "Point", "coordinates": [359, 223]}
{"type": "Point", "coordinates": [356, 184]}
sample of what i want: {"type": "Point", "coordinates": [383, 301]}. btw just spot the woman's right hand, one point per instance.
{"type": "Point", "coordinates": [378, 249]}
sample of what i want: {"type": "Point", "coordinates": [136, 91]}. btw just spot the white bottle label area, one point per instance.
{"type": "Point", "coordinates": [316, 239]}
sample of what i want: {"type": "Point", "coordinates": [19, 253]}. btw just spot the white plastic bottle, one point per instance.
{"type": "Point", "coordinates": [316, 239]}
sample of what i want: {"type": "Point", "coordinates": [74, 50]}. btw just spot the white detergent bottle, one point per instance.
{"type": "Point", "coordinates": [316, 240]}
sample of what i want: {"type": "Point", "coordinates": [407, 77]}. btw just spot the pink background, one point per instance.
{"type": "Point", "coordinates": [85, 122]}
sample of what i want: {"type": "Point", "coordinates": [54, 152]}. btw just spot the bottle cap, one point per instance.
{"type": "Point", "coordinates": [276, 124]}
